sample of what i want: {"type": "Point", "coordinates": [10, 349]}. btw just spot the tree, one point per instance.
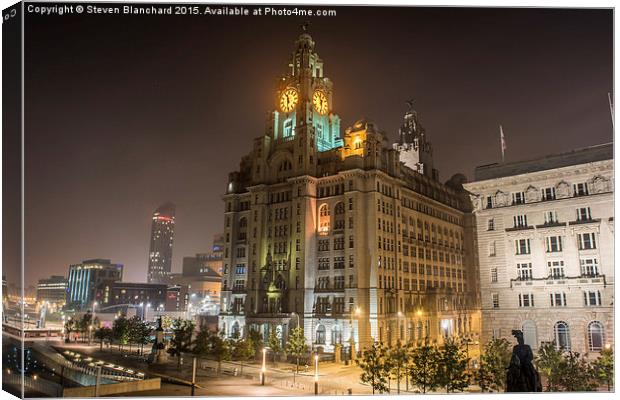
{"type": "Point", "coordinates": [575, 373]}
{"type": "Point", "coordinates": [452, 367]}
{"type": "Point", "coordinates": [399, 358]}
{"type": "Point", "coordinates": [139, 332]}
{"type": "Point", "coordinates": [604, 368]}
{"type": "Point", "coordinates": [257, 340]}
{"type": "Point", "coordinates": [548, 362]}
{"type": "Point", "coordinates": [133, 328]}
{"type": "Point", "coordinates": [103, 334]}
{"type": "Point", "coordinates": [182, 331]}
{"type": "Point", "coordinates": [243, 350]}
{"type": "Point", "coordinates": [210, 344]}
{"type": "Point", "coordinates": [424, 367]}
{"type": "Point", "coordinates": [120, 331]}
{"type": "Point", "coordinates": [373, 365]}
{"type": "Point", "coordinates": [275, 343]}
{"type": "Point", "coordinates": [296, 345]}
{"type": "Point", "coordinates": [493, 363]}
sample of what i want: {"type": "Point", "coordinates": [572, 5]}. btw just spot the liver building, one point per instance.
{"type": "Point", "coordinates": [350, 237]}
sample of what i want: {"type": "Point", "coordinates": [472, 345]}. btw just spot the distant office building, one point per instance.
{"type": "Point", "coordinates": [545, 234]}
{"type": "Point", "coordinates": [132, 294]}
{"type": "Point", "coordinates": [177, 298]}
{"type": "Point", "coordinates": [91, 281]}
{"type": "Point", "coordinates": [203, 290]}
{"type": "Point", "coordinates": [216, 256]}
{"type": "Point", "coordinates": [162, 235]}
{"type": "Point", "coordinates": [206, 263]}
{"type": "Point", "coordinates": [52, 290]}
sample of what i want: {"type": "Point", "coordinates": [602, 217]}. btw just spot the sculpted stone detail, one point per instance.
{"type": "Point", "coordinates": [502, 199]}
{"type": "Point", "coordinates": [562, 190]}
{"type": "Point", "coordinates": [531, 194]}
{"type": "Point", "coordinates": [600, 184]}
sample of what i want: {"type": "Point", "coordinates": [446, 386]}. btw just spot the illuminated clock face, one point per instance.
{"type": "Point", "coordinates": [288, 100]}
{"type": "Point", "coordinates": [319, 99]}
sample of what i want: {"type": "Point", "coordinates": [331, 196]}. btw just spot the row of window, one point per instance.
{"type": "Point", "coordinates": [387, 282]}
{"type": "Point", "coordinates": [557, 299]}
{"type": "Point", "coordinates": [339, 243]}
{"type": "Point", "coordinates": [550, 217]}
{"type": "Point", "coordinates": [585, 241]}
{"type": "Point", "coordinates": [589, 267]}
{"type": "Point", "coordinates": [548, 193]}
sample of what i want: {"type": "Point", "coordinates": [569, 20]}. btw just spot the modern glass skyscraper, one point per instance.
{"type": "Point", "coordinates": [162, 235]}
{"type": "Point", "coordinates": [90, 281]}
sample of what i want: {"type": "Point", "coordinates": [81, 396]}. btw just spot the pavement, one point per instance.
{"type": "Point", "coordinates": [237, 379]}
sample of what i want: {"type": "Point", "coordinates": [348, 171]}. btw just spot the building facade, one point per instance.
{"type": "Point", "coordinates": [335, 233]}
{"type": "Point", "coordinates": [52, 290]}
{"type": "Point", "coordinates": [162, 237]}
{"type": "Point", "coordinates": [545, 241]}
{"type": "Point", "coordinates": [91, 281]}
{"type": "Point", "coordinates": [131, 294]}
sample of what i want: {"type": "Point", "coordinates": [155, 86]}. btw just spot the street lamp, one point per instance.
{"type": "Point", "coordinates": [316, 374]}
{"type": "Point", "coordinates": [263, 368]}
{"type": "Point", "coordinates": [358, 311]}
{"type": "Point", "coordinates": [297, 316]}
{"type": "Point", "coordinates": [92, 321]}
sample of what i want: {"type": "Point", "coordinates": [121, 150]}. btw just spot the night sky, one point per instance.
{"type": "Point", "coordinates": [125, 113]}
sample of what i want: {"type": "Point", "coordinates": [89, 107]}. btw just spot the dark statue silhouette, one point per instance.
{"type": "Point", "coordinates": [521, 375]}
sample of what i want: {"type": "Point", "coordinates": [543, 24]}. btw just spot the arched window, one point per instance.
{"type": "Point", "coordinates": [320, 334]}
{"type": "Point", "coordinates": [243, 222]}
{"type": "Point", "coordinates": [562, 335]}
{"type": "Point", "coordinates": [595, 336]}
{"type": "Point", "coordinates": [235, 331]}
{"type": "Point", "coordinates": [324, 219]}
{"type": "Point", "coordinates": [529, 334]}
{"type": "Point", "coordinates": [336, 335]}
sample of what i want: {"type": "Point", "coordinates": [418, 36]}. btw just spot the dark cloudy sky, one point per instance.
{"type": "Point", "coordinates": [125, 113]}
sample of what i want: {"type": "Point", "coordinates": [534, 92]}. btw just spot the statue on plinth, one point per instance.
{"type": "Point", "coordinates": [521, 375]}
{"type": "Point", "coordinates": [158, 353]}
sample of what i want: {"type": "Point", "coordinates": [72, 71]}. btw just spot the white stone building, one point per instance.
{"type": "Point", "coordinates": [545, 242]}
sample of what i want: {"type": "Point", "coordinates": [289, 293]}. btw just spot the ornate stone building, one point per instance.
{"type": "Point", "coordinates": [334, 232]}
{"type": "Point", "coordinates": [545, 242]}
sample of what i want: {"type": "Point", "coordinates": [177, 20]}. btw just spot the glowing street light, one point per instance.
{"type": "Point", "coordinates": [294, 314]}
{"type": "Point", "coordinates": [263, 368]}
{"type": "Point", "coordinates": [316, 374]}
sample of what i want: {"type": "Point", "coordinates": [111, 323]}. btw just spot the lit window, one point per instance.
{"type": "Point", "coordinates": [562, 335]}
{"type": "Point", "coordinates": [595, 336]}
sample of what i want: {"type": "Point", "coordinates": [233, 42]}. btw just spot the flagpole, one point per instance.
{"type": "Point", "coordinates": [502, 141]}
{"type": "Point", "coordinates": [611, 109]}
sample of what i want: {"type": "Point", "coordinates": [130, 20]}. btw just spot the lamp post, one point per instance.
{"type": "Point", "coordinates": [92, 322]}
{"type": "Point", "coordinates": [351, 337]}
{"type": "Point", "coordinates": [316, 374]}
{"type": "Point", "coordinates": [263, 368]}
{"type": "Point", "coordinates": [294, 314]}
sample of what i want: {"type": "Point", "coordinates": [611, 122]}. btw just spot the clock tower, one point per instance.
{"type": "Point", "coordinates": [303, 107]}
